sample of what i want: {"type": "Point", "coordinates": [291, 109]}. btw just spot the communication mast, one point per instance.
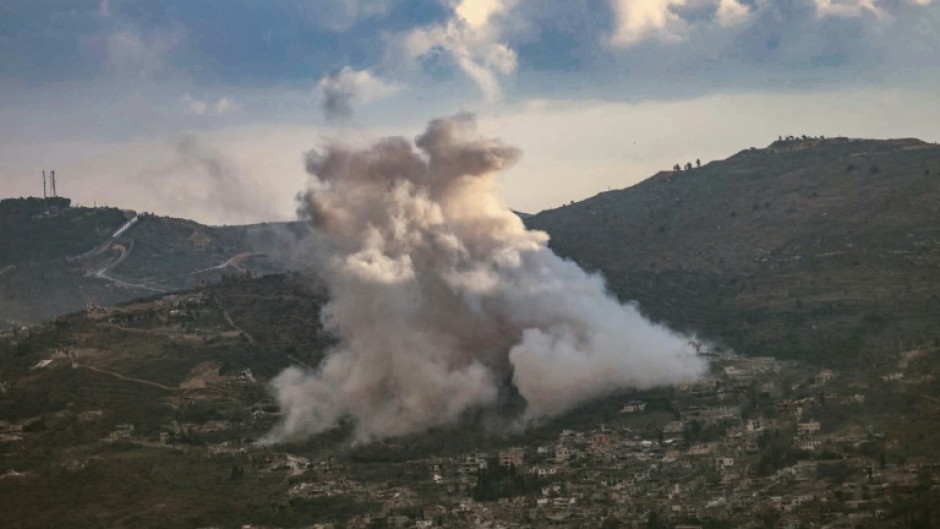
{"type": "Point", "coordinates": [52, 176]}
{"type": "Point", "coordinates": [44, 195]}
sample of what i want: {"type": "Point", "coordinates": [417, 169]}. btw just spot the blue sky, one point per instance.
{"type": "Point", "coordinates": [107, 91]}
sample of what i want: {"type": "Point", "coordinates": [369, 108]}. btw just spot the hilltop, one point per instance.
{"type": "Point", "coordinates": [825, 250]}
{"type": "Point", "coordinates": [56, 259]}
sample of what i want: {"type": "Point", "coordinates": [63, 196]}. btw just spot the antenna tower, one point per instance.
{"type": "Point", "coordinates": [52, 176]}
{"type": "Point", "coordinates": [44, 196]}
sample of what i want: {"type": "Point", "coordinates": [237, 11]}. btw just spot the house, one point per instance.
{"type": "Point", "coordinates": [600, 440]}
{"type": "Point", "coordinates": [754, 425]}
{"type": "Point", "coordinates": [809, 445]}
{"type": "Point", "coordinates": [854, 399]}
{"type": "Point", "coordinates": [724, 462]}
{"type": "Point", "coordinates": [807, 428]}
{"type": "Point", "coordinates": [563, 453]}
{"type": "Point", "coordinates": [512, 457]}
{"type": "Point", "coordinates": [634, 406]}
{"type": "Point", "coordinates": [544, 472]}
{"type": "Point", "coordinates": [398, 521]}
{"type": "Point", "coordinates": [823, 377]}
{"type": "Point", "coordinates": [788, 407]}
{"type": "Point", "coordinates": [703, 449]}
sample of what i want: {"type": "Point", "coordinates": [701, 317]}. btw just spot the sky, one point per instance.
{"type": "Point", "coordinates": [204, 108]}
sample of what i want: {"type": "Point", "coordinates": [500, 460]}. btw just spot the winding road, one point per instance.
{"type": "Point", "coordinates": [124, 250]}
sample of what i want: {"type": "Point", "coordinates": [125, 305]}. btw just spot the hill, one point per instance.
{"type": "Point", "coordinates": [56, 259]}
{"type": "Point", "coordinates": [826, 250]}
{"type": "Point", "coordinates": [147, 413]}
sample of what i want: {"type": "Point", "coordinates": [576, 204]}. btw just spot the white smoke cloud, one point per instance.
{"type": "Point", "coordinates": [441, 298]}
{"type": "Point", "coordinates": [338, 94]}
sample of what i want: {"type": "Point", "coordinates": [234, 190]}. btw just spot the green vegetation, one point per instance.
{"type": "Point", "coordinates": [785, 251]}
{"type": "Point", "coordinates": [36, 230]}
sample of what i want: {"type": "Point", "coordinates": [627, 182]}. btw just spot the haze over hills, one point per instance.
{"type": "Point", "coordinates": [818, 249]}
{"type": "Point", "coordinates": [807, 248]}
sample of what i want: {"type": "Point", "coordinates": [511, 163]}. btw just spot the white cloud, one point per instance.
{"type": "Point", "coordinates": [854, 8]}
{"type": "Point", "coordinates": [731, 12]}
{"type": "Point", "coordinates": [477, 13]}
{"type": "Point", "coordinates": [207, 107]}
{"type": "Point", "coordinates": [134, 56]}
{"type": "Point", "coordinates": [641, 19]}
{"type": "Point", "coordinates": [667, 21]}
{"type": "Point", "coordinates": [472, 41]}
{"type": "Point", "coordinates": [340, 15]}
{"type": "Point", "coordinates": [848, 8]}
{"type": "Point", "coordinates": [225, 105]}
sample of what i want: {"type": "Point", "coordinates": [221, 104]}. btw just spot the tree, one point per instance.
{"type": "Point", "coordinates": [698, 163]}
{"type": "Point", "coordinates": [654, 521]}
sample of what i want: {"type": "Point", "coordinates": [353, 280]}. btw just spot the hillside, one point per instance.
{"type": "Point", "coordinates": [147, 415]}
{"type": "Point", "coordinates": [56, 259]}
{"type": "Point", "coordinates": [826, 250]}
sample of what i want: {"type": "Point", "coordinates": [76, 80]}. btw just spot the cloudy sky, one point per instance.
{"type": "Point", "coordinates": [203, 108]}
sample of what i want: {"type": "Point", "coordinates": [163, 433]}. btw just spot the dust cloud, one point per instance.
{"type": "Point", "coordinates": [441, 298]}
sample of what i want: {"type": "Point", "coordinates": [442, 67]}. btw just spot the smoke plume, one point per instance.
{"type": "Point", "coordinates": [339, 94]}
{"type": "Point", "coordinates": [441, 299]}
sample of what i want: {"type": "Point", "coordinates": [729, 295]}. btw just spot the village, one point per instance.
{"type": "Point", "coordinates": [718, 462]}
{"type": "Point", "coordinates": [753, 445]}
{"type": "Point", "coordinates": [758, 443]}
